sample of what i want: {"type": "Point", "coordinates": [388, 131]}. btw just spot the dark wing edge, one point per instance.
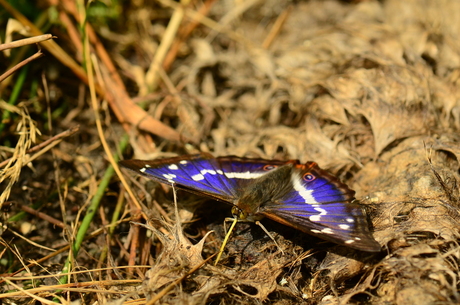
{"type": "Point", "coordinates": [357, 235]}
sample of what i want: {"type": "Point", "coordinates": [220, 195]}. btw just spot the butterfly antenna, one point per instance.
{"type": "Point", "coordinates": [269, 235]}
{"type": "Point", "coordinates": [224, 243]}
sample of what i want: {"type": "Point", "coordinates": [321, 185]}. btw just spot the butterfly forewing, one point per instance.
{"type": "Point", "coordinates": [198, 174]}
{"type": "Point", "coordinates": [220, 178]}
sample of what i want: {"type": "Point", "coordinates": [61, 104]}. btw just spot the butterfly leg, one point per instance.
{"type": "Point", "coordinates": [257, 223]}
{"type": "Point", "coordinates": [269, 235]}
{"type": "Point", "coordinates": [229, 219]}
{"type": "Point", "coordinates": [227, 236]}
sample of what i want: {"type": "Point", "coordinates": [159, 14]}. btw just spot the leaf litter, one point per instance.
{"type": "Point", "coordinates": [367, 89]}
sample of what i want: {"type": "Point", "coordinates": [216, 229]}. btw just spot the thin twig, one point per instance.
{"type": "Point", "coordinates": [43, 216]}
{"type": "Point", "coordinates": [183, 35]}
{"type": "Point", "coordinates": [20, 65]}
{"type": "Point", "coordinates": [25, 41]}
{"type": "Point", "coordinates": [50, 45]}
{"type": "Point", "coordinates": [151, 77]}
{"type": "Point", "coordinates": [57, 137]}
{"type": "Point", "coordinates": [276, 29]}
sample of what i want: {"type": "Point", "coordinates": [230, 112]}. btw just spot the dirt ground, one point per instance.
{"type": "Point", "coordinates": [370, 90]}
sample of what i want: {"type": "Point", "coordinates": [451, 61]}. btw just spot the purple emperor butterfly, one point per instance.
{"type": "Point", "coordinates": [302, 196]}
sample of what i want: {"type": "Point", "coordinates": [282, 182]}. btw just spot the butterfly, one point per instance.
{"type": "Point", "coordinates": [299, 195]}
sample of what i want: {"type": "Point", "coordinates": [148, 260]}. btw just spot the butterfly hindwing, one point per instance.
{"type": "Point", "coordinates": [319, 204]}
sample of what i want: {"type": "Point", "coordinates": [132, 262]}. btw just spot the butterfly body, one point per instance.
{"type": "Point", "coordinates": [302, 196]}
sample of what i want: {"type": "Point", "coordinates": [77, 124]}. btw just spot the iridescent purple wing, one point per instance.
{"type": "Point", "coordinates": [199, 174]}
{"type": "Point", "coordinates": [319, 204]}
{"type": "Point", "coordinates": [299, 195]}
{"type": "Point", "coordinates": [220, 178]}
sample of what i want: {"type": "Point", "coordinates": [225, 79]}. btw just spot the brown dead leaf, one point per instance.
{"type": "Point", "coordinates": [178, 256]}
